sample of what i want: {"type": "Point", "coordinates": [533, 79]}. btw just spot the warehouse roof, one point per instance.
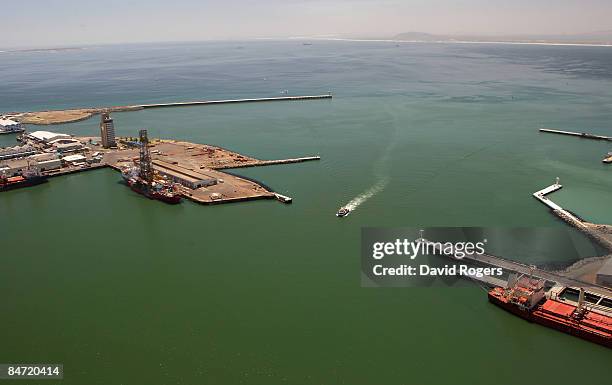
{"type": "Point", "coordinates": [74, 158]}
{"type": "Point", "coordinates": [48, 136]}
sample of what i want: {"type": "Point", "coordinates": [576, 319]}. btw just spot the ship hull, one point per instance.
{"type": "Point", "coordinates": [572, 327]}
{"type": "Point", "coordinates": [557, 322]}
{"type": "Point", "coordinates": [142, 190]}
{"type": "Point", "coordinates": [4, 132]}
{"type": "Point", "coordinates": [509, 307]}
{"type": "Point", "coordinates": [29, 182]}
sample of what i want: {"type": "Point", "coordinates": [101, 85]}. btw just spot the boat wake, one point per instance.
{"type": "Point", "coordinates": [369, 193]}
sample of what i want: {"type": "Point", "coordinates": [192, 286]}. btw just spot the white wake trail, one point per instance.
{"type": "Point", "coordinates": [369, 193]}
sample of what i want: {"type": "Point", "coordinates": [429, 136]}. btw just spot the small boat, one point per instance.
{"type": "Point", "coordinates": [343, 212]}
{"type": "Point", "coordinates": [608, 158]}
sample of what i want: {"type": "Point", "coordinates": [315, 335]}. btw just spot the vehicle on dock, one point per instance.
{"type": "Point", "coordinates": [526, 298]}
{"type": "Point", "coordinates": [27, 179]}
{"type": "Point", "coordinates": [343, 212]}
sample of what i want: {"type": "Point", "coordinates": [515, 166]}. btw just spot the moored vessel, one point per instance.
{"type": "Point", "coordinates": [156, 189]}
{"type": "Point", "coordinates": [8, 126]}
{"type": "Point", "coordinates": [19, 181]}
{"type": "Point", "coordinates": [525, 297]}
{"type": "Point", "coordinates": [143, 179]}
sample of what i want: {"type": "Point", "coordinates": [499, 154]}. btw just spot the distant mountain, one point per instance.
{"type": "Point", "coordinates": [603, 37]}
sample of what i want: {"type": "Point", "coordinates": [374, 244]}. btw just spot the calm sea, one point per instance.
{"type": "Point", "coordinates": [123, 290]}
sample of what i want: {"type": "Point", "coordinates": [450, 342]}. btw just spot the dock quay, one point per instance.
{"type": "Point", "coordinates": [578, 134]}
{"type": "Point", "coordinates": [194, 169]}
{"type": "Point", "coordinates": [73, 170]}
{"type": "Point", "coordinates": [79, 114]}
{"type": "Point", "coordinates": [554, 279]}
{"type": "Point", "coordinates": [199, 169]}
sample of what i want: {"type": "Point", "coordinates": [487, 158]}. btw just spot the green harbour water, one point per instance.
{"type": "Point", "coordinates": [124, 290]}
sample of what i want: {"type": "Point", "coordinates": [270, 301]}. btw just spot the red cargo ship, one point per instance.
{"type": "Point", "coordinates": [19, 181]}
{"type": "Point", "coordinates": [156, 190]}
{"type": "Point", "coordinates": [525, 298]}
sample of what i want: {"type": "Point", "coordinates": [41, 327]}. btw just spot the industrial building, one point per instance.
{"type": "Point", "coordinates": [38, 162]}
{"type": "Point", "coordinates": [184, 176]}
{"type": "Point", "coordinates": [107, 131]}
{"type": "Point", "coordinates": [64, 145]}
{"type": "Point", "coordinates": [46, 137]}
{"type": "Point", "coordinates": [16, 152]}
{"type": "Point", "coordinates": [74, 160]}
{"type": "Point", "coordinates": [47, 162]}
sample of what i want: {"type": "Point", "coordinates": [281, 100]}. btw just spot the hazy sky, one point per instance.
{"type": "Point", "coordinates": [65, 22]}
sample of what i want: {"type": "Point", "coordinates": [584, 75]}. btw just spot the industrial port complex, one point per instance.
{"type": "Point", "coordinates": [194, 169]}
{"type": "Point", "coordinates": [169, 169]}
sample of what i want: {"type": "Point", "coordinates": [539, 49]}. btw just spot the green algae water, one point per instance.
{"type": "Point", "coordinates": [125, 290]}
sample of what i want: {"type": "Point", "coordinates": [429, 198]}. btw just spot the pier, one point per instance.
{"type": "Point", "coordinates": [578, 134]}
{"type": "Point", "coordinates": [541, 195]}
{"type": "Point", "coordinates": [570, 218]}
{"type": "Point", "coordinates": [224, 101]}
{"type": "Point", "coordinates": [520, 268]}
{"type": "Point", "coordinates": [83, 113]}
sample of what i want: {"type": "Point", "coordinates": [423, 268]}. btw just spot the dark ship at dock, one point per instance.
{"type": "Point", "coordinates": [20, 181]}
{"type": "Point", "coordinates": [27, 178]}
{"type": "Point", "coordinates": [142, 178]}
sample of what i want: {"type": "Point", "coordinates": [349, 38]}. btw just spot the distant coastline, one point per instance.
{"type": "Point", "coordinates": [27, 50]}
{"type": "Point", "coordinates": [465, 42]}
{"type": "Point", "coordinates": [595, 39]}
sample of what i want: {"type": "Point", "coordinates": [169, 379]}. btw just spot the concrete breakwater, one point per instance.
{"type": "Point", "coordinates": [585, 227]}
{"type": "Point", "coordinates": [584, 135]}
{"type": "Point", "coordinates": [270, 162]}
{"type": "Point", "coordinates": [225, 101]}
{"type": "Point", "coordinates": [78, 114]}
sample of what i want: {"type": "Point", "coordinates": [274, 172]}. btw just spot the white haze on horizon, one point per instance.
{"type": "Point", "coordinates": [40, 23]}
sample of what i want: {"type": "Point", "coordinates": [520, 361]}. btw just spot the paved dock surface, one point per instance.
{"type": "Point", "coordinates": [209, 160]}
